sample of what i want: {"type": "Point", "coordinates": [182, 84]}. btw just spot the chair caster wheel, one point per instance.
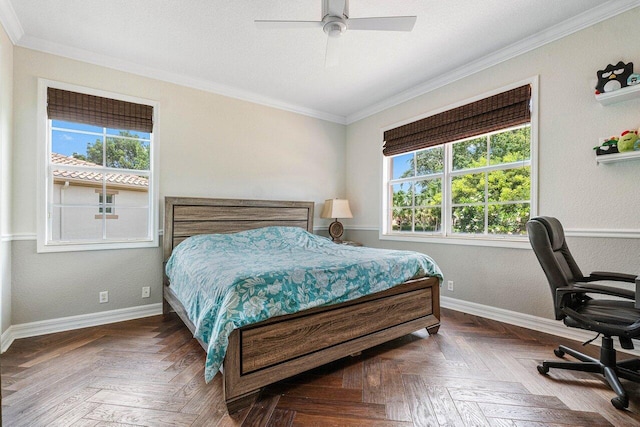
{"type": "Point", "coordinates": [619, 402]}
{"type": "Point", "coordinates": [543, 369]}
{"type": "Point", "coordinates": [558, 353]}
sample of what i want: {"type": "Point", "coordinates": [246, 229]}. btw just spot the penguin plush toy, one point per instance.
{"type": "Point", "coordinates": [614, 77]}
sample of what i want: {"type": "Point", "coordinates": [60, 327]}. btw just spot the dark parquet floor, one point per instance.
{"type": "Point", "coordinates": [149, 372]}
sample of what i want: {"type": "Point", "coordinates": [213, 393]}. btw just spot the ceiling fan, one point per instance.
{"type": "Point", "coordinates": [335, 22]}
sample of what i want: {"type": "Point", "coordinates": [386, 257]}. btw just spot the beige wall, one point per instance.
{"type": "Point", "coordinates": [6, 131]}
{"type": "Point", "coordinates": [571, 187]}
{"type": "Point", "coordinates": [214, 146]}
{"type": "Point", "coordinates": [209, 146]}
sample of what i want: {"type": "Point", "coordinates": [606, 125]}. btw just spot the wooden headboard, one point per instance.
{"type": "Point", "coordinates": [188, 216]}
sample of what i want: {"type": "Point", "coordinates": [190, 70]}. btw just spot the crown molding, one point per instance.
{"type": "Point", "coordinates": [106, 61]}
{"type": "Point", "coordinates": [607, 10]}
{"type": "Point", "coordinates": [584, 20]}
{"type": "Point", "coordinates": [10, 21]}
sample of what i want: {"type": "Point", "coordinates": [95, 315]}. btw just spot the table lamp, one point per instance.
{"type": "Point", "coordinates": [336, 208]}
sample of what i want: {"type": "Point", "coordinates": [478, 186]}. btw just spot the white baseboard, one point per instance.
{"type": "Point", "coordinates": [32, 329]}
{"type": "Point", "coordinates": [540, 324]}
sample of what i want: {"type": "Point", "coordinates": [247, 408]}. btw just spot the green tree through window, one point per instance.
{"type": "Point", "coordinates": [490, 186]}
{"type": "Point", "coordinates": [123, 152]}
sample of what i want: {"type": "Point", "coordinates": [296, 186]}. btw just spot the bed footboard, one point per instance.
{"type": "Point", "coordinates": [267, 352]}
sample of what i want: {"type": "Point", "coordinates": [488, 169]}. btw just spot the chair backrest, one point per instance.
{"type": "Point", "coordinates": [546, 236]}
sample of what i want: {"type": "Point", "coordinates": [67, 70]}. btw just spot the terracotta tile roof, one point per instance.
{"type": "Point", "coordinates": [94, 177]}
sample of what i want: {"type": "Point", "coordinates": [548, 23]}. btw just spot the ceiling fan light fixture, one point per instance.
{"type": "Point", "coordinates": [334, 26]}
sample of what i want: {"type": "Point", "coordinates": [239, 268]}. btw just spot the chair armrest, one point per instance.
{"type": "Point", "coordinates": [608, 290]}
{"type": "Point", "coordinates": [561, 293]}
{"type": "Point", "coordinates": [609, 275]}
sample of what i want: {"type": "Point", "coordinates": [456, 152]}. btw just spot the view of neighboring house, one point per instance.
{"type": "Point", "coordinates": [115, 204]}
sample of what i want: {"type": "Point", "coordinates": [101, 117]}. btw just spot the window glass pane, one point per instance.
{"type": "Point", "coordinates": [76, 126]}
{"type": "Point", "coordinates": [76, 199]}
{"type": "Point", "coordinates": [470, 154]}
{"type": "Point", "coordinates": [430, 161]}
{"type": "Point", "coordinates": [428, 219]}
{"type": "Point", "coordinates": [511, 146]}
{"type": "Point", "coordinates": [509, 219]}
{"type": "Point", "coordinates": [510, 185]}
{"type": "Point", "coordinates": [127, 153]}
{"type": "Point", "coordinates": [401, 219]}
{"type": "Point", "coordinates": [468, 188]}
{"type": "Point", "coordinates": [135, 133]}
{"type": "Point", "coordinates": [402, 194]}
{"type": "Point", "coordinates": [89, 179]}
{"type": "Point", "coordinates": [134, 193]}
{"type": "Point", "coordinates": [402, 166]}
{"type": "Point", "coordinates": [75, 148]}
{"type": "Point", "coordinates": [129, 223]}
{"type": "Point", "coordinates": [428, 192]}
{"type": "Point", "coordinates": [468, 219]}
{"type": "Point", "coordinates": [75, 223]}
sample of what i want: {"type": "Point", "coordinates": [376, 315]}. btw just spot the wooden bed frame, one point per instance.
{"type": "Point", "coordinates": [278, 348]}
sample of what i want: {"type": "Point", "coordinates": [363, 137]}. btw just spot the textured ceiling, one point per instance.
{"type": "Point", "coordinates": [215, 45]}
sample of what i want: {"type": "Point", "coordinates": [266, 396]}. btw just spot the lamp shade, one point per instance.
{"type": "Point", "coordinates": [336, 208]}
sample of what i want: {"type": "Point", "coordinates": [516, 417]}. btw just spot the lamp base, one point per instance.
{"type": "Point", "coordinates": [335, 230]}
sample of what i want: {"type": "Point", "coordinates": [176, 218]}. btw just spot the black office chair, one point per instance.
{"type": "Point", "coordinates": [609, 317]}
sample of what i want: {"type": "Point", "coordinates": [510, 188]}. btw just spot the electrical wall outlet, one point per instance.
{"type": "Point", "coordinates": [450, 285]}
{"type": "Point", "coordinates": [104, 297]}
{"type": "Point", "coordinates": [146, 292]}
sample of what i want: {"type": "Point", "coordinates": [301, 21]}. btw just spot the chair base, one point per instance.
{"type": "Point", "coordinates": [606, 366]}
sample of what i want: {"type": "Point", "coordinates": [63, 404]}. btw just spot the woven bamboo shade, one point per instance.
{"type": "Point", "coordinates": [98, 111]}
{"type": "Point", "coordinates": [506, 109]}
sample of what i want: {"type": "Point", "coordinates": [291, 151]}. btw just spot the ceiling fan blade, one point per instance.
{"type": "Point", "coordinates": [336, 7]}
{"type": "Point", "coordinates": [278, 25]}
{"type": "Point", "coordinates": [388, 23]}
{"type": "Point", "coordinates": [332, 54]}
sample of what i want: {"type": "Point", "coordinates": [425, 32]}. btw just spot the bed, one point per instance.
{"type": "Point", "coordinates": [259, 354]}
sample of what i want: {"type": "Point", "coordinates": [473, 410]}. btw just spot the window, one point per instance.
{"type": "Point", "coordinates": [477, 186]}
{"type": "Point", "coordinates": [96, 146]}
{"type": "Point", "coordinates": [106, 205]}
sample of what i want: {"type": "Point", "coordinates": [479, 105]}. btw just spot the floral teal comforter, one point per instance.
{"type": "Point", "coordinates": [226, 281]}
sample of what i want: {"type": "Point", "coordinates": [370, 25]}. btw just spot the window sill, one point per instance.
{"type": "Point", "coordinates": [496, 242]}
{"type": "Point", "coordinates": [109, 216]}
{"type": "Point", "coordinates": [76, 247]}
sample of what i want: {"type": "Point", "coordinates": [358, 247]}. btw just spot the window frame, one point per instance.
{"type": "Point", "coordinates": [45, 181]}
{"type": "Point", "coordinates": [445, 237]}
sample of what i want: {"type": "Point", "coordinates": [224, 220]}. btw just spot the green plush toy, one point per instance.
{"type": "Point", "coordinates": [627, 141]}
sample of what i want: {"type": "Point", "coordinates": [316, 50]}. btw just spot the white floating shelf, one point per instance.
{"type": "Point", "coordinates": [624, 94]}
{"type": "Point", "coordinates": [618, 157]}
